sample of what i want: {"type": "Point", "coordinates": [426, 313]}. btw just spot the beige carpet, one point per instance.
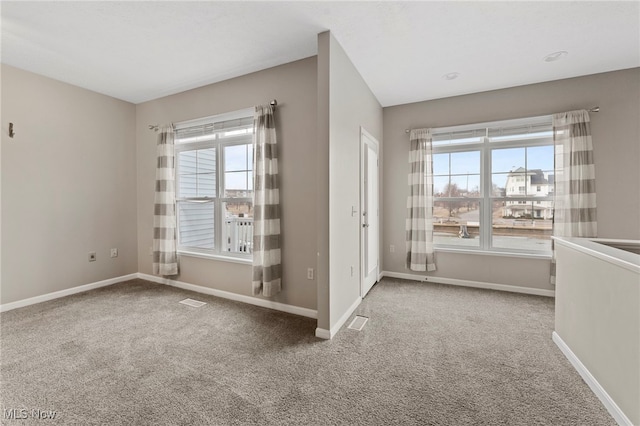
{"type": "Point", "coordinates": [430, 354]}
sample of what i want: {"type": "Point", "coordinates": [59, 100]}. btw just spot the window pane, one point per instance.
{"type": "Point", "coordinates": [528, 175]}
{"type": "Point", "coordinates": [237, 185]}
{"type": "Point", "coordinates": [187, 186]}
{"type": "Point", "coordinates": [236, 158]}
{"type": "Point", "coordinates": [457, 174]}
{"type": "Point", "coordinates": [507, 160]}
{"type": "Point", "coordinates": [238, 177]}
{"type": "Point", "coordinates": [465, 186]}
{"type": "Point", "coordinates": [441, 186]}
{"type": "Point", "coordinates": [457, 223]}
{"type": "Point", "coordinates": [515, 184]}
{"type": "Point", "coordinates": [440, 164]}
{"type": "Point", "coordinates": [206, 160]}
{"type": "Point", "coordinates": [508, 172]}
{"type": "Point", "coordinates": [540, 157]}
{"type": "Point", "coordinates": [187, 162]}
{"type": "Point", "coordinates": [238, 227]}
{"type": "Point", "coordinates": [523, 225]}
{"type": "Point", "coordinates": [207, 185]}
{"type": "Point", "coordinates": [197, 173]}
{"type": "Point", "coordinates": [195, 224]}
{"type": "Point", "coordinates": [465, 162]}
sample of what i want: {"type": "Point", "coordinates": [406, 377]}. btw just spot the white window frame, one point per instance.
{"type": "Point", "coordinates": [218, 201]}
{"type": "Point", "coordinates": [485, 145]}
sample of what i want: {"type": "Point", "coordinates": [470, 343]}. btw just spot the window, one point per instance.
{"type": "Point", "coordinates": [493, 186]}
{"type": "Point", "coordinates": [214, 184]}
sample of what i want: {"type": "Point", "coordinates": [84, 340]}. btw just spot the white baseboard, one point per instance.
{"type": "Point", "coordinates": [597, 389]}
{"type": "Point", "coordinates": [323, 333]}
{"type": "Point", "coordinates": [467, 283]}
{"type": "Point", "coordinates": [65, 292]}
{"type": "Point", "coordinates": [296, 310]}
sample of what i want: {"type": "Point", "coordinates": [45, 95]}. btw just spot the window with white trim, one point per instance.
{"type": "Point", "coordinates": [214, 184]}
{"type": "Point", "coordinates": [494, 185]}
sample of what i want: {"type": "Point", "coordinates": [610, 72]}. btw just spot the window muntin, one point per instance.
{"type": "Point", "coordinates": [214, 185]}
{"type": "Point", "coordinates": [496, 193]}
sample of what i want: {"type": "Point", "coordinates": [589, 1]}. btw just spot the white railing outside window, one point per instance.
{"type": "Point", "coordinates": [239, 234]}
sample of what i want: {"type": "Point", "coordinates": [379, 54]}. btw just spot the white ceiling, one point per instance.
{"type": "Point", "coordinates": [138, 51]}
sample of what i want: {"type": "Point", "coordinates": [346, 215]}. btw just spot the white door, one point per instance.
{"type": "Point", "coordinates": [369, 223]}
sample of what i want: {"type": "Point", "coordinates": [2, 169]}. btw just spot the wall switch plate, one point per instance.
{"type": "Point", "coordinates": [309, 273]}
{"type": "Point", "coordinates": [392, 248]}
{"type": "Point", "coordinates": [114, 252]}
{"type": "Point", "coordinates": [92, 256]}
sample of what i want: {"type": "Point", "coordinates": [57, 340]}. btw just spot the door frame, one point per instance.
{"type": "Point", "coordinates": [368, 138]}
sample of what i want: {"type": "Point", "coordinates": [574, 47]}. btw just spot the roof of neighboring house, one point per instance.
{"type": "Point", "coordinates": [537, 175]}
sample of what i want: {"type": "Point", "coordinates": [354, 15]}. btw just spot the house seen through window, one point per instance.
{"type": "Point", "coordinates": [493, 186]}
{"type": "Point", "coordinates": [214, 184]}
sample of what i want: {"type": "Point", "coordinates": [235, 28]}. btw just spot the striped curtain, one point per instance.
{"type": "Point", "coordinates": [575, 194]}
{"type": "Point", "coordinates": [267, 268]}
{"type": "Point", "coordinates": [419, 223]}
{"type": "Point", "coordinates": [165, 257]}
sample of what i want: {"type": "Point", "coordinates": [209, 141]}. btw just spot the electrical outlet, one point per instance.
{"type": "Point", "coordinates": [150, 251]}
{"type": "Point", "coordinates": [92, 256]}
{"type": "Point", "coordinates": [392, 248]}
{"type": "Point", "coordinates": [114, 252]}
{"type": "Point", "coordinates": [309, 273]}
{"type": "Point", "coordinates": [352, 271]}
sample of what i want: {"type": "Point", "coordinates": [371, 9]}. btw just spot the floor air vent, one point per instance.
{"type": "Point", "coordinates": [358, 323]}
{"type": "Point", "coordinates": [192, 303]}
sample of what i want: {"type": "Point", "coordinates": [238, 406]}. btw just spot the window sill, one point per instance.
{"type": "Point", "coordinates": [545, 256]}
{"type": "Point", "coordinates": [230, 259]}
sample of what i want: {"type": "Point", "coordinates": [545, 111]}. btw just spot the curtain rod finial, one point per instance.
{"type": "Point", "coordinates": [273, 103]}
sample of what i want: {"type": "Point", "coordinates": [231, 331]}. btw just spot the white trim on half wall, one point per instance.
{"type": "Point", "coordinates": [596, 388]}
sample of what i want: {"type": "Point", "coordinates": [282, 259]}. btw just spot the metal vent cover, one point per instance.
{"type": "Point", "coordinates": [358, 323]}
{"type": "Point", "coordinates": [192, 303]}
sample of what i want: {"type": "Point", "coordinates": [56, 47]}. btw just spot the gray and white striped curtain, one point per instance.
{"type": "Point", "coordinates": [419, 223]}
{"type": "Point", "coordinates": [267, 268]}
{"type": "Point", "coordinates": [575, 178]}
{"type": "Point", "coordinates": [165, 257]}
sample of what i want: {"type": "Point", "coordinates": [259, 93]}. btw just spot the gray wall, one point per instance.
{"type": "Point", "coordinates": [345, 104]}
{"type": "Point", "coordinates": [294, 86]}
{"type": "Point", "coordinates": [56, 209]}
{"type": "Point", "coordinates": [66, 186]}
{"type": "Point", "coordinates": [616, 139]}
